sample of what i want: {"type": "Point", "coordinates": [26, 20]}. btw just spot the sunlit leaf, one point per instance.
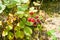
{"type": "Point", "coordinates": [10, 27]}
{"type": "Point", "coordinates": [10, 3]}
{"type": "Point", "coordinates": [18, 2]}
{"type": "Point", "coordinates": [17, 24]}
{"type": "Point", "coordinates": [0, 22]}
{"type": "Point", "coordinates": [19, 34]}
{"type": "Point", "coordinates": [17, 28]}
{"type": "Point", "coordinates": [6, 2]}
{"type": "Point", "coordinates": [26, 15]}
{"type": "Point", "coordinates": [0, 2]}
{"type": "Point", "coordinates": [22, 8]}
{"type": "Point", "coordinates": [20, 14]}
{"type": "Point", "coordinates": [28, 31]}
{"type": "Point", "coordinates": [4, 33]}
{"type": "Point", "coordinates": [21, 24]}
{"type": "Point", "coordinates": [29, 23]}
{"type": "Point", "coordinates": [24, 1]}
{"type": "Point", "coordinates": [31, 9]}
{"type": "Point", "coordinates": [2, 7]}
{"type": "Point", "coordinates": [36, 4]}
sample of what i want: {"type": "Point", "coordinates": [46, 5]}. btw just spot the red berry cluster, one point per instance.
{"type": "Point", "coordinates": [35, 20]}
{"type": "Point", "coordinates": [31, 19]}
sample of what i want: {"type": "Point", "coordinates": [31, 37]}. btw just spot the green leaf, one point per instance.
{"type": "Point", "coordinates": [29, 23]}
{"type": "Point", "coordinates": [54, 37]}
{"type": "Point", "coordinates": [39, 26]}
{"type": "Point", "coordinates": [18, 2]}
{"type": "Point", "coordinates": [24, 20]}
{"type": "Point", "coordinates": [2, 7]}
{"type": "Point", "coordinates": [10, 3]}
{"type": "Point", "coordinates": [10, 27]}
{"type": "Point", "coordinates": [32, 8]}
{"type": "Point", "coordinates": [19, 34]}
{"type": "Point", "coordinates": [10, 36]}
{"type": "Point", "coordinates": [17, 28]}
{"type": "Point", "coordinates": [25, 7]}
{"type": "Point", "coordinates": [20, 14]}
{"type": "Point", "coordinates": [4, 33]}
{"type": "Point", "coordinates": [50, 32]}
{"type": "Point", "coordinates": [6, 2]}
{"type": "Point", "coordinates": [22, 7]}
{"type": "Point", "coordinates": [28, 31]}
{"type": "Point", "coordinates": [21, 24]}
{"type": "Point", "coordinates": [24, 1]}
{"type": "Point", "coordinates": [27, 37]}
{"type": "Point", "coordinates": [40, 17]}
{"type": "Point", "coordinates": [26, 15]}
{"type": "Point", "coordinates": [19, 8]}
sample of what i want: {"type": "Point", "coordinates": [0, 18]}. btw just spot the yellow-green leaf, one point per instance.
{"type": "Point", "coordinates": [4, 33]}
{"type": "Point", "coordinates": [28, 31]}
{"type": "Point", "coordinates": [10, 35]}
{"type": "Point", "coordinates": [19, 34]}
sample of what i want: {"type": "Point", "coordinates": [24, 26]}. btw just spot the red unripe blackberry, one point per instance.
{"type": "Point", "coordinates": [32, 20]}
{"type": "Point", "coordinates": [38, 21]}
{"type": "Point", "coordinates": [29, 19]}
{"type": "Point", "coordinates": [35, 24]}
{"type": "Point", "coordinates": [37, 16]}
{"type": "Point", "coordinates": [31, 13]}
